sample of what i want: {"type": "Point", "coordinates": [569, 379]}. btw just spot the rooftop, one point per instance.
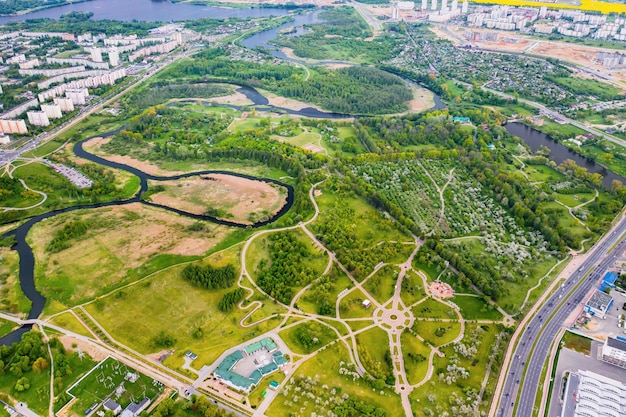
{"type": "Point", "coordinates": [599, 301]}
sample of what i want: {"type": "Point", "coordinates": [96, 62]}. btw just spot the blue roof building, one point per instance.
{"type": "Point", "coordinates": [608, 280]}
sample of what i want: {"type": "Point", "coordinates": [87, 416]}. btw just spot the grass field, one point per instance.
{"type": "Point", "coordinates": [543, 173]}
{"type": "Point", "coordinates": [350, 306]}
{"type": "Point", "coordinates": [172, 305]}
{"type": "Point", "coordinates": [12, 299]}
{"type": "Point", "coordinates": [307, 337]}
{"type": "Point", "coordinates": [475, 308]}
{"type": "Point", "coordinates": [432, 308]}
{"type": "Point", "coordinates": [415, 354]}
{"type": "Point", "coordinates": [576, 342]}
{"type": "Point", "coordinates": [431, 331]}
{"type": "Point", "coordinates": [69, 322]}
{"type": "Point", "coordinates": [573, 200]}
{"type": "Point", "coordinates": [6, 327]}
{"type": "Point", "coordinates": [382, 285]}
{"type": "Point", "coordinates": [412, 288]}
{"type": "Point", "coordinates": [325, 367]}
{"type": "Point", "coordinates": [119, 240]}
{"type": "Point", "coordinates": [102, 381]}
{"type": "Point", "coordinates": [372, 345]}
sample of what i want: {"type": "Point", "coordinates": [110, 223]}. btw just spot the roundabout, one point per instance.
{"type": "Point", "coordinates": [394, 318]}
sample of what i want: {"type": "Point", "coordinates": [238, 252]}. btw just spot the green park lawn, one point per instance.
{"type": "Point", "coordinates": [431, 308]}
{"type": "Point", "coordinates": [175, 308]}
{"type": "Point", "coordinates": [475, 308]}
{"type": "Point", "coordinates": [436, 332]}
{"type": "Point", "coordinates": [325, 368]}
{"type": "Point", "coordinates": [382, 284]}
{"type": "Point", "coordinates": [412, 288]}
{"type": "Point", "coordinates": [372, 345]}
{"type": "Point", "coordinates": [416, 354]}
{"type": "Point", "coordinates": [307, 337]}
{"type": "Point", "coordinates": [351, 306]}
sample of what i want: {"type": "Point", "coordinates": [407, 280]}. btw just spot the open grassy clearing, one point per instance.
{"type": "Point", "coordinates": [437, 333]}
{"type": "Point", "coordinates": [117, 241]}
{"type": "Point", "coordinates": [350, 306]}
{"type": "Point", "coordinates": [300, 140]}
{"type": "Point", "coordinates": [576, 342]}
{"type": "Point", "coordinates": [12, 299]}
{"type": "Point", "coordinates": [382, 285]}
{"type": "Point", "coordinates": [324, 367]}
{"type": "Point", "coordinates": [6, 327]}
{"type": "Point", "coordinates": [373, 347]}
{"type": "Point", "coordinates": [175, 307]}
{"type": "Point", "coordinates": [543, 173]}
{"type": "Point", "coordinates": [439, 396]}
{"type": "Point", "coordinates": [224, 196]}
{"type": "Point", "coordinates": [475, 308]}
{"type": "Point", "coordinates": [416, 354]}
{"type": "Point", "coordinates": [431, 308]}
{"type": "Point", "coordinates": [573, 200]}
{"type": "Point", "coordinates": [69, 322]}
{"type": "Point", "coordinates": [412, 288]}
{"type": "Point", "coordinates": [307, 337]}
{"type": "Point", "coordinates": [360, 324]}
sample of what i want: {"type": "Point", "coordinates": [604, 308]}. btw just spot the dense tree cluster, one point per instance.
{"type": "Point", "coordinates": [353, 407]}
{"type": "Point", "coordinates": [210, 277]}
{"type": "Point", "coordinates": [353, 90]}
{"type": "Point", "coordinates": [70, 230]}
{"type": "Point", "coordinates": [285, 268]}
{"type": "Point", "coordinates": [230, 299]}
{"type": "Point", "coordinates": [161, 92]}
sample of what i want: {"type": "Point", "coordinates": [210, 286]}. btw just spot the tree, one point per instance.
{"type": "Point", "coordinates": [22, 384]}
{"type": "Point", "coordinates": [40, 364]}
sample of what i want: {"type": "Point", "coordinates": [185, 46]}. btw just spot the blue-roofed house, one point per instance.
{"type": "Point", "coordinates": [608, 280]}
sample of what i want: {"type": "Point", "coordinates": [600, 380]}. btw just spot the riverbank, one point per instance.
{"type": "Point", "coordinates": [559, 152]}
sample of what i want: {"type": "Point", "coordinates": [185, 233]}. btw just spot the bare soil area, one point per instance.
{"type": "Point", "coordinates": [69, 342]}
{"type": "Point", "coordinates": [225, 196]}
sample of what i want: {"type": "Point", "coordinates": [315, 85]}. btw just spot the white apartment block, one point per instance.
{"type": "Point", "coordinates": [53, 111]}
{"type": "Point", "coordinates": [38, 118]}
{"type": "Point", "coordinates": [65, 104]}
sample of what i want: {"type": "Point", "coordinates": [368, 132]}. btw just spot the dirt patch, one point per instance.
{"type": "Point", "coordinates": [95, 146]}
{"type": "Point", "coordinates": [422, 100]}
{"type": "Point", "coordinates": [95, 353]}
{"type": "Point", "coordinates": [313, 148]}
{"type": "Point", "coordinates": [223, 196]}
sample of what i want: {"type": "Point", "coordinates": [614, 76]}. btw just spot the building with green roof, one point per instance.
{"type": "Point", "coordinates": [255, 362]}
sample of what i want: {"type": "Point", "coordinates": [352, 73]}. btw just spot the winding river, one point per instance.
{"type": "Point", "coordinates": [26, 257]}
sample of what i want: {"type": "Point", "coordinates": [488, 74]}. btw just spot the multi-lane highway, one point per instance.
{"type": "Point", "coordinates": [536, 340]}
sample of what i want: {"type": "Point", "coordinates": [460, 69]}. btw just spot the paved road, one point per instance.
{"type": "Point", "coordinates": [534, 344]}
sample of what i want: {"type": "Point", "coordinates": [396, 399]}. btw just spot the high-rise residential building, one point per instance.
{"type": "Point", "coordinates": [53, 111]}
{"type": "Point", "coordinates": [13, 126]}
{"type": "Point", "coordinates": [38, 118]}
{"type": "Point", "coordinates": [96, 55]}
{"type": "Point", "coordinates": [114, 57]}
{"type": "Point", "coordinates": [65, 104]}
